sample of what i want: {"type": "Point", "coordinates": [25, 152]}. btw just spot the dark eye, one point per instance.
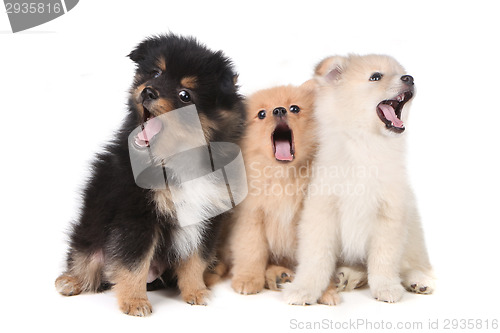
{"type": "Point", "coordinates": [261, 114]}
{"type": "Point", "coordinates": [184, 96]}
{"type": "Point", "coordinates": [376, 76]}
{"type": "Point", "coordinates": [156, 73]}
{"type": "Point", "coordinates": [294, 109]}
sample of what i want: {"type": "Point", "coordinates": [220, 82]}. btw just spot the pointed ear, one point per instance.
{"type": "Point", "coordinates": [140, 52]}
{"type": "Point", "coordinates": [330, 69]}
{"type": "Point", "coordinates": [137, 54]}
{"type": "Point", "coordinates": [334, 74]}
{"type": "Point", "coordinates": [309, 85]}
{"type": "Point", "coordinates": [227, 82]}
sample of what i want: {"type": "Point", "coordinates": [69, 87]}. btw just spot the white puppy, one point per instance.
{"type": "Point", "coordinates": [360, 208]}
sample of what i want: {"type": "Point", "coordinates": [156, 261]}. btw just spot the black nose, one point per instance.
{"type": "Point", "coordinates": [408, 79]}
{"type": "Point", "coordinates": [279, 111]}
{"type": "Point", "coordinates": [149, 94]}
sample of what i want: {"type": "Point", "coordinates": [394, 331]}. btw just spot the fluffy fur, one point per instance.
{"type": "Point", "coordinates": [263, 239]}
{"type": "Point", "coordinates": [128, 236]}
{"type": "Point", "coordinates": [364, 211]}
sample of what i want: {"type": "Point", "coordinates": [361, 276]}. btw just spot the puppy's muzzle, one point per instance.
{"type": "Point", "coordinates": [279, 112]}
{"type": "Point", "coordinates": [149, 94]}
{"type": "Point", "coordinates": [407, 79]}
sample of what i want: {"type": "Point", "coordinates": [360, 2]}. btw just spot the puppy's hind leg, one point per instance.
{"type": "Point", "coordinates": [68, 285]}
{"type": "Point", "coordinates": [277, 276]}
{"type": "Point", "coordinates": [348, 278]}
{"type": "Point", "coordinates": [317, 251]}
{"type": "Point", "coordinates": [330, 295]}
{"type": "Point", "coordinates": [84, 273]}
{"type": "Point", "coordinates": [214, 275]}
{"type": "Point", "coordinates": [419, 282]}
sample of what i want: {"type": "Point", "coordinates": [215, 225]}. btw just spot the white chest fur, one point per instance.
{"type": "Point", "coordinates": [193, 203]}
{"type": "Point", "coordinates": [366, 173]}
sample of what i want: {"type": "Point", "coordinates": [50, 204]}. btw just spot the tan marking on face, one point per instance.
{"type": "Point", "coordinates": [190, 82]}
{"type": "Point", "coordinates": [207, 125]}
{"type": "Point", "coordinates": [160, 62]}
{"type": "Point", "coordinates": [136, 93]}
{"type": "Point", "coordinates": [159, 106]}
{"type": "Point", "coordinates": [162, 106]}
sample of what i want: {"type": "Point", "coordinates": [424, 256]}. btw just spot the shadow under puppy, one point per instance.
{"type": "Point", "coordinates": [278, 149]}
{"type": "Point", "coordinates": [366, 211]}
{"type": "Point", "coordinates": [128, 236]}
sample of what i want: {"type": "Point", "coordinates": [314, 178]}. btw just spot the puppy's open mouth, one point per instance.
{"type": "Point", "coordinates": [390, 110]}
{"type": "Point", "coordinates": [282, 139]}
{"type": "Point", "coordinates": [151, 126]}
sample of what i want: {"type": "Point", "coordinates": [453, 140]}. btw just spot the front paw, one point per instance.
{"type": "Point", "coordinates": [139, 307]}
{"type": "Point", "coordinates": [196, 297]}
{"type": "Point", "coordinates": [386, 289]}
{"type": "Point", "coordinates": [389, 293]}
{"type": "Point", "coordinates": [296, 295]}
{"type": "Point", "coordinates": [248, 285]}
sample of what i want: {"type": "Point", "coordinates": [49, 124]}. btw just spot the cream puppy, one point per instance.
{"type": "Point", "coordinates": [360, 208]}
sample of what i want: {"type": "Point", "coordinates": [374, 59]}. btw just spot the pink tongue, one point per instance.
{"type": "Point", "coordinates": [283, 150]}
{"type": "Point", "coordinates": [390, 115]}
{"type": "Point", "coordinates": [152, 127]}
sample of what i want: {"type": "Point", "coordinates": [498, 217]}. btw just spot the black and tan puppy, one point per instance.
{"type": "Point", "coordinates": [128, 236]}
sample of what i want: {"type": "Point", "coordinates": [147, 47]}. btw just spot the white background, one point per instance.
{"type": "Point", "coordinates": [63, 89]}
